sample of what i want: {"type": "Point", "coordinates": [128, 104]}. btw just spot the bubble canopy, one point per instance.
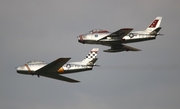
{"type": "Point", "coordinates": [36, 62]}
{"type": "Point", "coordinates": [98, 31]}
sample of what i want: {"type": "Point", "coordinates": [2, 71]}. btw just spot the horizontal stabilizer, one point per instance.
{"type": "Point", "coordinates": [92, 61]}
{"type": "Point", "coordinates": [154, 32]}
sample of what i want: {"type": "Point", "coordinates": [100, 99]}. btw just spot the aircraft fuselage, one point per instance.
{"type": "Point", "coordinates": [130, 38]}
{"type": "Point", "coordinates": [67, 68]}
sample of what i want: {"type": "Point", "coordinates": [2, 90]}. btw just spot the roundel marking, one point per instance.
{"type": "Point", "coordinates": [131, 35]}
{"type": "Point", "coordinates": [68, 66]}
{"type": "Point", "coordinates": [96, 35]}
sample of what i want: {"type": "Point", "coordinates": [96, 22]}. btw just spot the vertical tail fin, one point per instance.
{"type": "Point", "coordinates": [91, 55]}
{"type": "Point", "coordinates": [154, 25]}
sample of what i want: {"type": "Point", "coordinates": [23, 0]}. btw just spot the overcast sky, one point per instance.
{"type": "Point", "coordinates": [48, 29]}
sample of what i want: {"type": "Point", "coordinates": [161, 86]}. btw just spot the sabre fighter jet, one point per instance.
{"type": "Point", "coordinates": [117, 39]}
{"type": "Point", "coordinates": [59, 66]}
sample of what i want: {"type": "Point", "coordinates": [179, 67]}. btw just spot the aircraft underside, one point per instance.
{"type": "Point", "coordinates": [117, 41]}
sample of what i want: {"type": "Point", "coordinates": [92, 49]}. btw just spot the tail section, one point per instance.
{"type": "Point", "coordinates": [154, 26]}
{"type": "Point", "coordinates": [154, 32]}
{"type": "Point", "coordinates": [90, 59]}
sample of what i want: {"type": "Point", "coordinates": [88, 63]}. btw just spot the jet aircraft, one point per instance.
{"type": "Point", "coordinates": [117, 39]}
{"type": "Point", "coordinates": [59, 66]}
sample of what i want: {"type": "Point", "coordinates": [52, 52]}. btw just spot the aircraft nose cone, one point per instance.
{"type": "Point", "coordinates": [80, 39]}
{"type": "Point", "coordinates": [19, 69]}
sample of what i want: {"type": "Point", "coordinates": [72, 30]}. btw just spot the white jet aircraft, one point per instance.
{"type": "Point", "coordinates": [117, 39]}
{"type": "Point", "coordinates": [59, 66]}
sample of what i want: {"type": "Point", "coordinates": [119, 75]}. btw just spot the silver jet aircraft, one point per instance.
{"type": "Point", "coordinates": [117, 39]}
{"type": "Point", "coordinates": [59, 66]}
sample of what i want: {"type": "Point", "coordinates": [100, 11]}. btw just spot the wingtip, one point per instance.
{"type": "Point", "coordinates": [75, 82]}
{"type": "Point", "coordinates": [136, 50]}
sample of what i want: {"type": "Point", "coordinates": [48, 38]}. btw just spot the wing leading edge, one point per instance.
{"type": "Point", "coordinates": [50, 70]}
{"type": "Point", "coordinates": [119, 47]}
{"type": "Point", "coordinates": [120, 33]}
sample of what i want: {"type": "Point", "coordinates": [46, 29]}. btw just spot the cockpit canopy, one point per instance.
{"type": "Point", "coordinates": [36, 62]}
{"type": "Point", "coordinates": [98, 31]}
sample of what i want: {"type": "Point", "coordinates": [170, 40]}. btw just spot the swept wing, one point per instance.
{"type": "Point", "coordinates": [51, 69]}
{"type": "Point", "coordinates": [120, 33]}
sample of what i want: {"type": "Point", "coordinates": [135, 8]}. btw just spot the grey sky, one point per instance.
{"type": "Point", "coordinates": [46, 30]}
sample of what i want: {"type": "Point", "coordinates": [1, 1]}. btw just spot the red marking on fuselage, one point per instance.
{"type": "Point", "coordinates": [81, 38]}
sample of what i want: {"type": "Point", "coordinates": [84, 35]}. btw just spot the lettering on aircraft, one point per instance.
{"type": "Point", "coordinates": [74, 65]}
